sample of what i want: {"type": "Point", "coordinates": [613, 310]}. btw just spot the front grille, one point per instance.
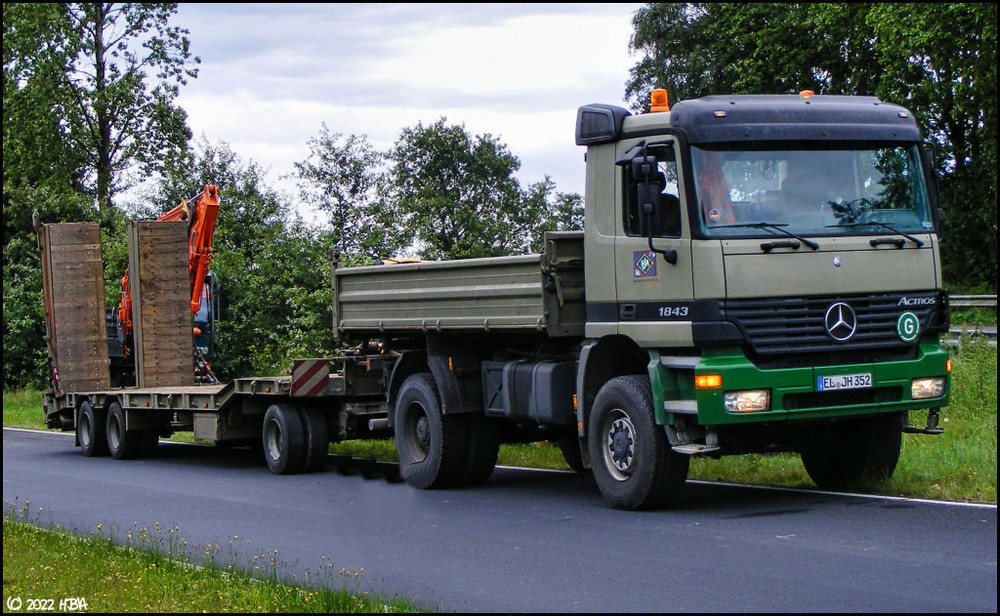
{"type": "Point", "coordinates": [793, 325]}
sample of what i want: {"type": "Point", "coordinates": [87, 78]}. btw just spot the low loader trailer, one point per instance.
{"type": "Point", "coordinates": [755, 274]}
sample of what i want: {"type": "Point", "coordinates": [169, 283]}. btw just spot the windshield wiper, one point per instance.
{"type": "Point", "coordinates": [777, 226]}
{"type": "Point", "coordinates": [876, 242]}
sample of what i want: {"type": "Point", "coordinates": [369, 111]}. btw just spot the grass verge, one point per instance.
{"type": "Point", "coordinates": [151, 571]}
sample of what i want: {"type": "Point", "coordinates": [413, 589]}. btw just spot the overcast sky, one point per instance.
{"type": "Point", "coordinates": [272, 74]}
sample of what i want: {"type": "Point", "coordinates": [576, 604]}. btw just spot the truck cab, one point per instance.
{"type": "Point", "coordinates": [773, 262]}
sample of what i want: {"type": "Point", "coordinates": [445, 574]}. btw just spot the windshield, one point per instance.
{"type": "Point", "coordinates": [857, 188]}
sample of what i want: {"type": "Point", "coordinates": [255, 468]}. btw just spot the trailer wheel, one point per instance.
{"type": "Point", "coordinates": [859, 454]}
{"type": "Point", "coordinates": [433, 448]}
{"type": "Point", "coordinates": [122, 444]}
{"type": "Point", "coordinates": [317, 439]}
{"type": "Point", "coordinates": [284, 439]}
{"type": "Point", "coordinates": [633, 464]}
{"type": "Point", "coordinates": [484, 447]}
{"type": "Point", "coordinates": [91, 431]}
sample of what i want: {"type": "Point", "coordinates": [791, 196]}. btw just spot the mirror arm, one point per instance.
{"type": "Point", "coordinates": [670, 256]}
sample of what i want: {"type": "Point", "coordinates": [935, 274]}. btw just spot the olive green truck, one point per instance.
{"type": "Point", "coordinates": [755, 274]}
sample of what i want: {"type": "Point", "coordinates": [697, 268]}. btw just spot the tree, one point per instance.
{"type": "Point", "coordinates": [697, 49]}
{"type": "Point", "coordinates": [41, 172]}
{"type": "Point", "coordinates": [551, 211]}
{"type": "Point", "coordinates": [940, 60]}
{"type": "Point", "coordinates": [343, 178]}
{"type": "Point", "coordinates": [674, 53]}
{"type": "Point", "coordinates": [110, 75]}
{"type": "Point", "coordinates": [457, 196]}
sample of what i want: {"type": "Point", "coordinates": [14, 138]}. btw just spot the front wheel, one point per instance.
{"type": "Point", "coordinates": [857, 454]}
{"type": "Point", "coordinates": [633, 464]}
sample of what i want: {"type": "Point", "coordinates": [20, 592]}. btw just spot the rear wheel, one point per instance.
{"type": "Point", "coordinates": [284, 439]}
{"type": "Point", "coordinates": [123, 444]}
{"type": "Point", "coordinates": [317, 439]}
{"type": "Point", "coordinates": [91, 431]}
{"type": "Point", "coordinates": [433, 447]}
{"type": "Point", "coordinates": [484, 447]}
{"type": "Point", "coordinates": [633, 464]}
{"type": "Point", "coordinates": [857, 454]}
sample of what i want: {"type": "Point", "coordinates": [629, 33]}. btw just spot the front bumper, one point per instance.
{"type": "Point", "coordinates": [795, 393]}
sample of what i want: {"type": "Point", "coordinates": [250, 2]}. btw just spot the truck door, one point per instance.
{"type": "Point", "coordinates": [652, 246]}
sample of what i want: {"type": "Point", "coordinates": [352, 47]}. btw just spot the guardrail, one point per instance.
{"type": "Point", "coordinates": [955, 332]}
{"type": "Point", "coordinates": [973, 301]}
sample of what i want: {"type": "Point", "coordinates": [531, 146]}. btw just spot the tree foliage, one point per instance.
{"type": "Point", "coordinates": [457, 196]}
{"type": "Point", "coordinates": [938, 60]}
{"type": "Point", "coordinates": [343, 179]}
{"type": "Point", "coordinates": [103, 78]}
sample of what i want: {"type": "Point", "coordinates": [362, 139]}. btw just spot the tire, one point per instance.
{"type": "Point", "coordinates": [284, 439]}
{"type": "Point", "coordinates": [122, 444]}
{"type": "Point", "coordinates": [91, 431]}
{"type": "Point", "coordinates": [484, 447]}
{"type": "Point", "coordinates": [570, 446]}
{"type": "Point", "coordinates": [858, 454]}
{"type": "Point", "coordinates": [633, 464]}
{"type": "Point", "coordinates": [317, 439]}
{"type": "Point", "coordinates": [433, 447]}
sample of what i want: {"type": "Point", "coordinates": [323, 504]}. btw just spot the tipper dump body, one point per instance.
{"type": "Point", "coordinates": [536, 293]}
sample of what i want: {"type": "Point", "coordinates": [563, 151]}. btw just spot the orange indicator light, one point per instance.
{"type": "Point", "coordinates": [708, 381]}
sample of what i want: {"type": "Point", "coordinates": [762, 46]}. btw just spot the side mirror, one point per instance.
{"type": "Point", "coordinates": [643, 168]}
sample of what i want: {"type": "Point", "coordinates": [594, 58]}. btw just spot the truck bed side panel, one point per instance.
{"type": "Point", "coordinates": [541, 293]}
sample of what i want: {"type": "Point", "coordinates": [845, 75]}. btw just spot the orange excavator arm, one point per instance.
{"type": "Point", "coordinates": [201, 227]}
{"type": "Point", "coordinates": [201, 220]}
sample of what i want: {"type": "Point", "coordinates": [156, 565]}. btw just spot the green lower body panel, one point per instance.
{"type": "Point", "coordinates": [841, 390]}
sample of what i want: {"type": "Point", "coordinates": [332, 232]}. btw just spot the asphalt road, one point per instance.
{"type": "Point", "coordinates": [529, 541]}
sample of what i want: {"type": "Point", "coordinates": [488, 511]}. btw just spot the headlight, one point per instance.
{"type": "Point", "coordinates": [747, 401]}
{"type": "Point", "coordinates": [927, 388]}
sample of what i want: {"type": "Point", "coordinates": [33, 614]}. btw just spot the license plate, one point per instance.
{"type": "Point", "coordinates": [844, 381]}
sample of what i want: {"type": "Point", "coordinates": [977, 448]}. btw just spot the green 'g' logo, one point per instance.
{"type": "Point", "coordinates": [908, 327]}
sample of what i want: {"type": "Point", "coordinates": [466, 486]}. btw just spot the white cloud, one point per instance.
{"type": "Point", "coordinates": [272, 74]}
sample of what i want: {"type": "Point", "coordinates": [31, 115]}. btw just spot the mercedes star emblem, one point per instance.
{"type": "Point", "coordinates": [840, 321]}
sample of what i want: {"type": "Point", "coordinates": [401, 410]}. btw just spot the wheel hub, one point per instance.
{"type": "Point", "coordinates": [274, 440]}
{"type": "Point", "coordinates": [423, 434]}
{"type": "Point", "coordinates": [621, 445]}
